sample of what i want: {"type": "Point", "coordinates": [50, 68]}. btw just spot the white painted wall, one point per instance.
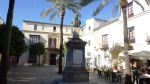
{"type": "Point", "coordinates": [1, 21]}
{"type": "Point", "coordinates": [140, 21]}
{"type": "Point", "coordinates": [88, 36]}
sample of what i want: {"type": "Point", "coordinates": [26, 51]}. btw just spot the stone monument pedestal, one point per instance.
{"type": "Point", "coordinates": [75, 70]}
{"type": "Point", "coordinates": [75, 75]}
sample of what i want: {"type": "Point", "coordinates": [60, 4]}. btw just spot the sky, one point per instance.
{"type": "Point", "coordinates": [30, 10]}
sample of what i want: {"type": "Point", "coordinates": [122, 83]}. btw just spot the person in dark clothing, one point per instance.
{"type": "Point", "coordinates": [107, 73]}
{"type": "Point", "coordinates": [99, 73]}
{"type": "Point", "coordinates": [114, 74]}
{"type": "Point", "coordinates": [135, 69]}
{"type": "Point", "coordinates": [144, 78]}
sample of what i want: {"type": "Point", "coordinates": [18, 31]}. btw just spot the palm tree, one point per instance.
{"type": "Point", "coordinates": [123, 5]}
{"type": "Point", "coordinates": [6, 44]}
{"type": "Point", "coordinates": [60, 6]}
{"type": "Point", "coordinates": [114, 51]}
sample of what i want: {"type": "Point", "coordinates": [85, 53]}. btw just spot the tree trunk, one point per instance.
{"type": "Point", "coordinates": [61, 41]}
{"type": "Point", "coordinates": [6, 44]}
{"type": "Point", "coordinates": [39, 60]}
{"type": "Point", "coordinates": [126, 48]}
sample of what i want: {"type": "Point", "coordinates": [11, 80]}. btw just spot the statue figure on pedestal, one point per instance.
{"type": "Point", "coordinates": [76, 23]}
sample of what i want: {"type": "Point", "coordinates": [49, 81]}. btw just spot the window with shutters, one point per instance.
{"type": "Point", "coordinates": [130, 10]}
{"type": "Point", "coordinates": [105, 41]}
{"type": "Point", "coordinates": [131, 35]}
{"type": "Point", "coordinates": [34, 39]}
{"type": "Point", "coordinates": [52, 42]}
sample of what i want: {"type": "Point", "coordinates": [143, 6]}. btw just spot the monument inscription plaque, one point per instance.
{"type": "Point", "coordinates": [77, 58]}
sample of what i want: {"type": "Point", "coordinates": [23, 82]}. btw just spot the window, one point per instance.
{"type": "Point", "coordinates": [54, 29]}
{"type": "Point", "coordinates": [72, 30]}
{"type": "Point", "coordinates": [148, 2]}
{"type": "Point", "coordinates": [52, 42]}
{"type": "Point", "coordinates": [89, 43]}
{"type": "Point", "coordinates": [66, 29]}
{"type": "Point", "coordinates": [43, 27]}
{"type": "Point", "coordinates": [105, 41]}
{"type": "Point", "coordinates": [105, 54]}
{"type": "Point", "coordinates": [34, 39]}
{"type": "Point", "coordinates": [35, 27]}
{"type": "Point", "coordinates": [32, 58]}
{"type": "Point", "coordinates": [95, 61]}
{"type": "Point", "coordinates": [89, 28]}
{"type": "Point", "coordinates": [131, 35]}
{"type": "Point", "coordinates": [130, 10]}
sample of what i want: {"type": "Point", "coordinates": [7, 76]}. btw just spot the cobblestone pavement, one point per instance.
{"type": "Point", "coordinates": [41, 75]}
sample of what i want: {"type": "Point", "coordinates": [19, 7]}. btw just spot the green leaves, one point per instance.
{"type": "Point", "coordinates": [115, 50]}
{"type": "Point", "coordinates": [86, 2]}
{"type": "Point", "coordinates": [37, 48]}
{"type": "Point", "coordinates": [100, 7]}
{"type": "Point", "coordinates": [17, 44]}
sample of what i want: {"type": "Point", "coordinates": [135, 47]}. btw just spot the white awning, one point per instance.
{"type": "Point", "coordinates": [141, 53]}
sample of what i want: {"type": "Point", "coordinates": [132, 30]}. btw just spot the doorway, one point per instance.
{"type": "Point", "coordinates": [52, 59]}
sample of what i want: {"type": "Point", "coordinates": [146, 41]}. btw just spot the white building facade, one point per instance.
{"type": "Point", "coordinates": [102, 37]}
{"type": "Point", "coordinates": [88, 36]}
{"type": "Point", "coordinates": [1, 21]}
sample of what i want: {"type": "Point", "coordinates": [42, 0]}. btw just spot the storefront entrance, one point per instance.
{"type": "Point", "coordinates": [52, 59]}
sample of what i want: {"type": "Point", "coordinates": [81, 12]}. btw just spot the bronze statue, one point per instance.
{"type": "Point", "coordinates": [76, 23]}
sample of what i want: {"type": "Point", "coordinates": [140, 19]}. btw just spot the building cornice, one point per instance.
{"type": "Point", "coordinates": [44, 23]}
{"type": "Point", "coordinates": [99, 19]}
{"type": "Point", "coordinates": [28, 31]}
{"type": "Point", "coordinates": [137, 15]}
{"type": "Point", "coordinates": [106, 23]}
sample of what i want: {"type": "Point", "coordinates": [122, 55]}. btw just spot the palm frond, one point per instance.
{"type": "Point", "coordinates": [55, 14]}
{"type": "Point", "coordinates": [58, 5]}
{"type": "Point", "coordinates": [74, 8]}
{"type": "Point", "coordinates": [47, 12]}
{"type": "Point", "coordinates": [137, 1]}
{"type": "Point", "coordinates": [100, 7]}
{"type": "Point", "coordinates": [115, 9]}
{"type": "Point", "coordinates": [115, 50]}
{"type": "Point", "coordinates": [85, 2]}
{"type": "Point", "coordinates": [54, 2]}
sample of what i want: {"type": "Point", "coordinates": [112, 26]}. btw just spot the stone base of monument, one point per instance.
{"type": "Point", "coordinates": [61, 81]}
{"type": "Point", "coordinates": [75, 75]}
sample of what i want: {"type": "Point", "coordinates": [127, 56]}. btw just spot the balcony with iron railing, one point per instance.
{"type": "Point", "coordinates": [105, 47]}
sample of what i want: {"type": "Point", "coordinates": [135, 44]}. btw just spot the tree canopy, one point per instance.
{"type": "Point", "coordinates": [37, 48]}
{"type": "Point", "coordinates": [17, 44]}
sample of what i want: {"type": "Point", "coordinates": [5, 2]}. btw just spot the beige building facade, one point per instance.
{"type": "Point", "coordinates": [47, 33]}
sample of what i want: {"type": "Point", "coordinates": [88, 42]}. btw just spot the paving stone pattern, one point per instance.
{"type": "Point", "coordinates": [42, 75]}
